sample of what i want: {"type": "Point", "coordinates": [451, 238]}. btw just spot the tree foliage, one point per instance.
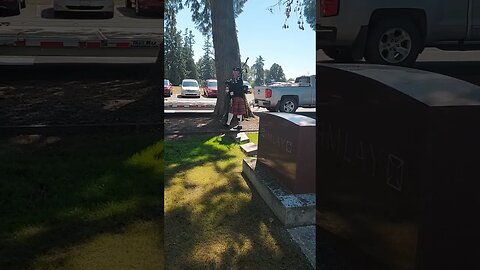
{"type": "Point", "coordinates": [202, 14]}
{"type": "Point", "coordinates": [258, 72]}
{"type": "Point", "coordinates": [206, 64]}
{"type": "Point", "coordinates": [174, 64]}
{"type": "Point", "coordinates": [304, 10]}
{"type": "Point", "coordinates": [190, 66]}
{"type": "Point", "coordinates": [276, 74]}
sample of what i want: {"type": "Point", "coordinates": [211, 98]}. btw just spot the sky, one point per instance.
{"type": "Point", "coordinates": [260, 32]}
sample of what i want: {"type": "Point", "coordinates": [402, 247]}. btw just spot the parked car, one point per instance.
{"type": "Point", "coordinates": [210, 88]}
{"type": "Point", "coordinates": [248, 87]}
{"type": "Point", "coordinates": [60, 7]}
{"type": "Point", "coordinates": [287, 97]}
{"type": "Point", "coordinates": [167, 88]}
{"type": "Point", "coordinates": [14, 6]}
{"type": "Point", "coordinates": [142, 6]}
{"type": "Point", "coordinates": [395, 32]}
{"type": "Point", "coordinates": [190, 88]}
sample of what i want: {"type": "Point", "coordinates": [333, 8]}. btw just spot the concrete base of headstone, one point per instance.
{"type": "Point", "coordinates": [250, 149]}
{"type": "Point", "coordinates": [305, 239]}
{"type": "Point", "coordinates": [241, 137]}
{"type": "Point", "coordinates": [292, 210]}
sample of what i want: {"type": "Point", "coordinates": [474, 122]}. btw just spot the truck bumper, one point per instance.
{"type": "Point", "coordinates": [262, 103]}
{"type": "Point", "coordinates": [326, 35]}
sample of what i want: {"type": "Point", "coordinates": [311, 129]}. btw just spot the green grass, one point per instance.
{"type": "Point", "coordinates": [253, 137]}
{"type": "Point", "coordinates": [213, 220]}
{"type": "Point", "coordinates": [81, 202]}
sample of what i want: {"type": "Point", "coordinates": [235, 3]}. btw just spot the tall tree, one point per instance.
{"type": "Point", "coordinates": [206, 64]}
{"type": "Point", "coordinates": [174, 64]}
{"type": "Point", "coordinates": [218, 18]}
{"type": "Point", "coordinates": [267, 77]}
{"type": "Point", "coordinates": [257, 71]}
{"type": "Point", "coordinates": [190, 66]}
{"type": "Point", "coordinates": [276, 73]}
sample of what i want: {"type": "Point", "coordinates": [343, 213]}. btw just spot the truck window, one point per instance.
{"type": "Point", "coordinates": [303, 81]}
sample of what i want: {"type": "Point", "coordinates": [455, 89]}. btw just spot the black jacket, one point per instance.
{"type": "Point", "coordinates": [236, 86]}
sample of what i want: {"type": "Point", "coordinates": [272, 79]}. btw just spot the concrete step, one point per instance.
{"type": "Point", "coordinates": [249, 149]}
{"type": "Point", "coordinates": [292, 210]}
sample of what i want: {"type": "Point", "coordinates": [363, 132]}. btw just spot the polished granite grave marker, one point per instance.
{"type": "Point", "coordinates": [398, 165]}
{"type": "Point", "coordinates": [286, 145]}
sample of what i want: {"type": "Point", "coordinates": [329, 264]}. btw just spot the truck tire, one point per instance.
{"type": "Point", "coordinates": [58, 14]}
{"type": "Point", "coordinates": [24, 4]}
{"type": "Point", "coordinates": [339, 54]}
{"type": "Point", "coordinates": [272, 109]}
{"type": "Point", "coordinates": [393, 42]}
{"type": "Point", "coordinates": [128, 4]}
{"type": "Point", "coordinates": [288, 105]}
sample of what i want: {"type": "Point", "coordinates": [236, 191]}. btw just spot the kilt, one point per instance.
{"type": "Point", "coordinates": [238, 106]}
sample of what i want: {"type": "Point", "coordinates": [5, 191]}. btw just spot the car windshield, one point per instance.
{"type": "Point", "coordinates": [190, 84]}
{"type": "Point", "coordinates": [166, 82]}
{"type": "Point", "coordinates": [212, 84]}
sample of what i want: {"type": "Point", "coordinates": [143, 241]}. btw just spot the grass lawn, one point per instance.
{"type": "Point", "coordinates": [253, 137]}
{"type": "Point", "coordinates": [213, 220]}
{"type": "Point", "coordinates": [81, 202]}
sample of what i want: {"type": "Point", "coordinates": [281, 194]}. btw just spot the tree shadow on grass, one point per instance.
{"type": "Point", "coordinates": [80, 95]}
{"type": "Point", "coordinates": [220, 223]}
{"type": "Point", "coordinates": [59, 196]}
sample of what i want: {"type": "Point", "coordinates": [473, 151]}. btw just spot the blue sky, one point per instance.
{"type": "Point", "coordinates": [260, 32]}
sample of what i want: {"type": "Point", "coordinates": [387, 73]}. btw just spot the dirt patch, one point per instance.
{"type": "Point", "coordinates": [194, 124]}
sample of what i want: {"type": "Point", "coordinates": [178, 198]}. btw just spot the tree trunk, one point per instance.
{"type": "Point", "coordinates": [227, 53]}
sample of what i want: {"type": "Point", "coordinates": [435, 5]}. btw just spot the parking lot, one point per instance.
{"type": "Point", "coordinates": [177, 103]}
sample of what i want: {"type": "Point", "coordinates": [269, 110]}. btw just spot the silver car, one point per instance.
{"type": "Point", "coordinates": [190, 88]}
{"type": "Point", "coordinates": [101, 6]}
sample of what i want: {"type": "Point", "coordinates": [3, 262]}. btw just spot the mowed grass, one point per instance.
{"type": "Point", "coordinates": [81, 202]}
{"type": "Point", "coordinates": [213, 219]}
{"type": "Point", "coordinates": [253, 137]}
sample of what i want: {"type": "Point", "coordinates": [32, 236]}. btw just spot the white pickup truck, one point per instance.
{"type": "Point", "coordinates": [287, 97]}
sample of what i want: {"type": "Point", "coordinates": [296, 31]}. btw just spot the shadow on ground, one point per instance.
{"type": "Point", "coordinates": [213, 219]}
{"type": "Point", "coordinates": [63, 195]}
{"type": "Point", "coordinates": [79, 95]}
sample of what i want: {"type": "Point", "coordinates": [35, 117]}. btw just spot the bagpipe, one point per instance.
{"type": "Point", "coordinates": [229, 82]}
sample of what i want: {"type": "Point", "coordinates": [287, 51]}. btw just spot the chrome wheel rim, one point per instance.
{"type": "Point", "coordinates": [289, 106]}
{"type": "Point", "coordinates": [395, 45]}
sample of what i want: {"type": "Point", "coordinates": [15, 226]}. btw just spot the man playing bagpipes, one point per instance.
{"type": "Point", "coordinates": [236, 92]}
